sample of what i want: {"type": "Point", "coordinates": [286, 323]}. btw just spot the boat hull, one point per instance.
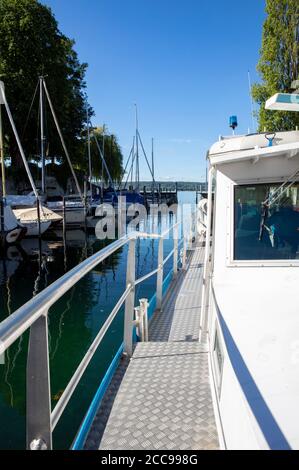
{"type": "Point", "coordinates": [13, 236]}
{"type": "Point", "coordinates": [33, 227]}
{"type": "Point", "coordinates": [12, 231]}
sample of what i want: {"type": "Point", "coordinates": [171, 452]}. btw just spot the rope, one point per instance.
{"type": "Point", "coordinates": [29, 112]}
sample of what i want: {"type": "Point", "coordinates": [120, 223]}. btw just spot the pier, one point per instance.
{"type": "Point", "coordinates": [161, 398]}
{"type": "Point", "coordinates": [156, 392]}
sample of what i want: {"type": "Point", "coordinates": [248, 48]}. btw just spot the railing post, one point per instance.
{"type": "Point", "coordinates": [130, 300]}
{"type": "Point", "coordinates": [184, 254]}
{"type": "Point", "coordinates": [160, 274]}
{"type": "Point", "coordinates": [176, 249]}
{"type": "Point", "coordinates": [144, 318]}
{"type": "Point", "coordinates": [38, 391]}
{"type": "Point", "coordinates": [137, 322]}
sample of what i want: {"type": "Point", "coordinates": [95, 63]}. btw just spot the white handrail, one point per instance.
{"type": "Point", "coordinates": [71, 386]}
{"type": "Point", "coordinates": [16, 324]}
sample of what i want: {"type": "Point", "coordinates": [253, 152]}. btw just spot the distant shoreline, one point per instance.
{"type": "Point", "coordinates": [170, 185]}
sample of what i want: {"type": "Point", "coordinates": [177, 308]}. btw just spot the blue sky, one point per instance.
{"type": "Point", "coordinates": [184, 63]}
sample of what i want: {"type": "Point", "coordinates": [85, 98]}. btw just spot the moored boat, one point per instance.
{"type": "Point", "coordinates": [25, 210]}
{"type": "Point", "coordinates": [74, 210]}
{"type": "Point", "coordinates": [11, 230]}
{"type": "Point", "coordinates": [250, 278]}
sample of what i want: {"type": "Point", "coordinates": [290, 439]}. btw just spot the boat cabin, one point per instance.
{"type": "Point", "coordinates": [251, 288]}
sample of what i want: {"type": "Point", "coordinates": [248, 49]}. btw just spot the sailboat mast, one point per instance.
{"type": "Point", "coordinates": [42, 133]}
{"type": "Point", "coordinates": [2, 154]}
{"type": "Point", "coordinates": [62, 141]}
{"type": "Point", "coordinates": [4, 101]}
{"type": "Point", "coordinates": [153, 169]}
{"type": "Point", "coordinates": [89, 149]}
{"type": "Point", "coordinates": [102, 175]}
{"type": "Point", "coordinates": [137, 149]}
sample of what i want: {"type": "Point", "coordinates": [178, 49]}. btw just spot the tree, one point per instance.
{"type": "Point", "coordinates": [279, 62]}
{"type": "Point", "coordinates": [32, 45]}
{"type": "Point", "coordinates": [112, 153]}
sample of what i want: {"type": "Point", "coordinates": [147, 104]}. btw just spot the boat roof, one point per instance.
{"type": "Point", "coordinates": [283, 102]}
{"type": "Point", "coordinates": [254, 147]}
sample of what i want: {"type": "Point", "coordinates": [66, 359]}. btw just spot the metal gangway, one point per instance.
{"type": "Point", "coordinates": [161, 399]}
{"type": "Point", "coordinates": [41, 420]}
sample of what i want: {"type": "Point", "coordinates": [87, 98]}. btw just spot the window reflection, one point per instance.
{"type": "Point", "coordinates": [272, 236]}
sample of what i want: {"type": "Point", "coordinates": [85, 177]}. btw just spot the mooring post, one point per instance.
{"type": "Point", "coordinates": [85, 203]}
{"type": "Point", "coordinates": [38, 217]}
{"type": "Point", "coordinates": [159, 292]}
{"type": "Point", "coordinates": [2, 221]}
{"type": "Point", "coordinates": [130, 300]}
{"type": "Point", "coordinates": [63, 218]}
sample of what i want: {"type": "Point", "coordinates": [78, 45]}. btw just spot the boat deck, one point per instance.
{"type": "Point", "coordinates": [161, 398]}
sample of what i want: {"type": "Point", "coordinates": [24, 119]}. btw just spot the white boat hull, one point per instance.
{"type": "Point", "coordinates": [33, 227]}
{"type": "Point", "coordinates": [28, 218]}
{"type": "Point", "coordinates": [74, 213]}
{"type": "Point", "coordinates": [13, 231]}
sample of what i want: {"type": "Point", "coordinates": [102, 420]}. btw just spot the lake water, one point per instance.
{"type": "Point", "coordinates": [74, 321]}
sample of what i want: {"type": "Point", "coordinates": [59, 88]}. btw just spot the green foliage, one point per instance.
{"type": "Point", "coordinates": [112, 153]}
{"type": "Point", "coordinates": [30, 45]}
{"type": "Point", "coordinates": [279, 62]}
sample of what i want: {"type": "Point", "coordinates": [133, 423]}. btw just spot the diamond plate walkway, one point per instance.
{"type": "Point", "coordinates": [162, 400]}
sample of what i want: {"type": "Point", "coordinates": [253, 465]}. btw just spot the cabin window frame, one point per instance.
{"type": "Point", "coordinates": [230, 260]}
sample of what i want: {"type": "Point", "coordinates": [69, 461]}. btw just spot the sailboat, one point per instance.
{"type": "Point", "coordinates": [11, 229]}
{"type": "Point", "coordinates": [28, 211]}
{"type": "Point", "coordinates": [73, 207]}
{"type": "Point", "coordinates": [130, 196]}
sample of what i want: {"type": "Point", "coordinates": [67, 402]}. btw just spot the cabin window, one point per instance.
{"type": "Point", "coordinates": [266, 234]}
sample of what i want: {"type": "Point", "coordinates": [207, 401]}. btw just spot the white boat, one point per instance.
{"type": "Point", "coordinates": [74, 211]}
{"type": "Point", "coordinates": [13, 230]}
{"type": "Point", "coordinates": [25, 210]}
{"type": "Point", "coordinates": [251, 278]}
{"type": "Point", "coordinates": [29, 219]}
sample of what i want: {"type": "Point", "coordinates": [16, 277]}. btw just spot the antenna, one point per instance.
{"type": "Point", "coordinates": [251, 103]}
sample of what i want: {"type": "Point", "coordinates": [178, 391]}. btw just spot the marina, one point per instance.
{"type": "Point", "coordinates": [22, 276]}
{"type": "Point", "coordinates": [149, 264]}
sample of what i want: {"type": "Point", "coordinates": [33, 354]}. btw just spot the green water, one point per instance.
{"type": "Point", "coordinates": [74, 321]}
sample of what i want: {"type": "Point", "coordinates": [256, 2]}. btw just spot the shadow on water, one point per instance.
{"type": "Point", "coordinates": [73, 323]}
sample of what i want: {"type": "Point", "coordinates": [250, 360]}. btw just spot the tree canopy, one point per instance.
{"type": "Point", "coordinates": [279, 62]}
{"type": "Point", "coordinates": [32, 45]}
{"type": "Point", "coordinates": [112, 153]}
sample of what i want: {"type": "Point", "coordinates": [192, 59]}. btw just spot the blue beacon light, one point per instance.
{"type": "Point", "coordinates": [233, 122]}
